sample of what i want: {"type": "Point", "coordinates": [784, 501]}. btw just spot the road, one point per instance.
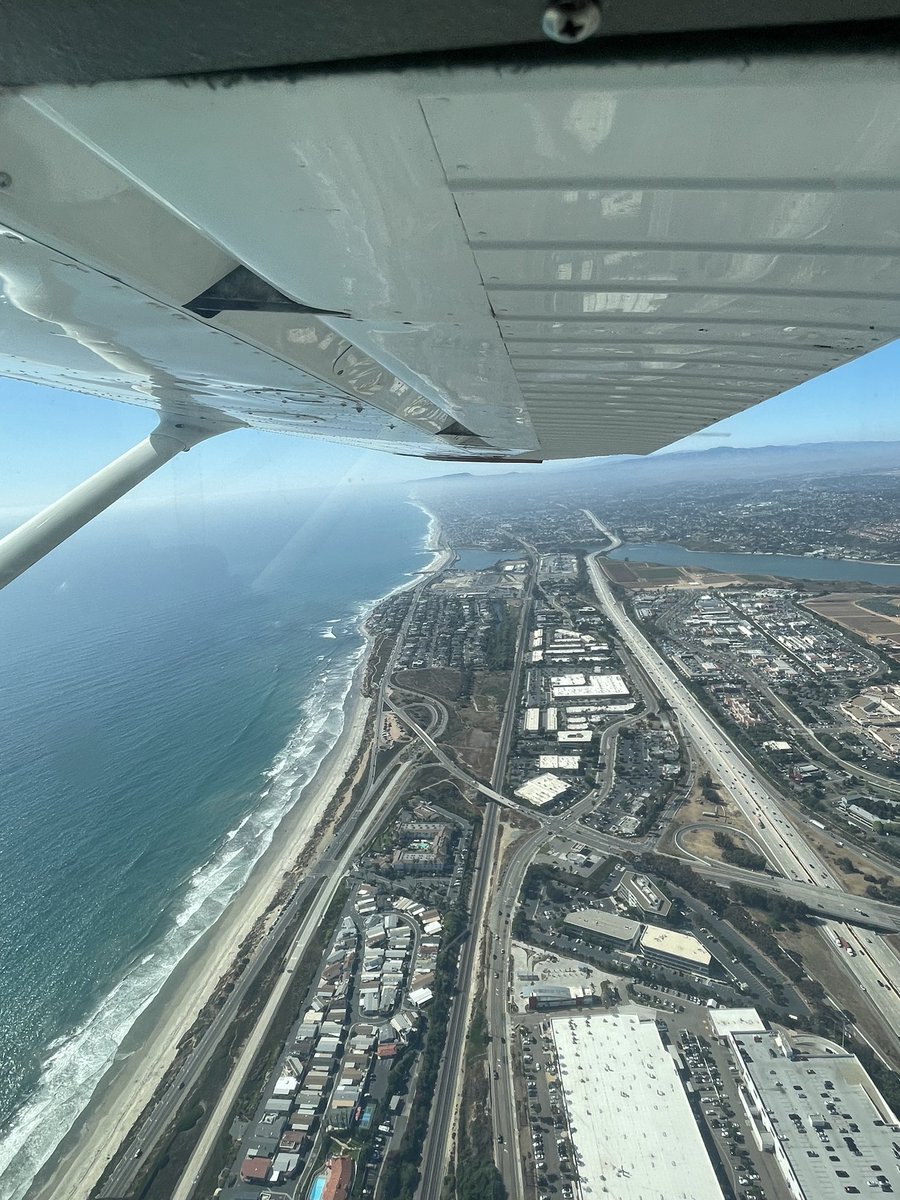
{"type": "Point", "coordinates": [892, 786]}
{"type": "Point", "coordinates": [740, 835]}
{"type": "Point", "coordinates": [162, 1115]}
{"type": "Point", "coordinates": [450, 1074]}
{"type": "Point", "coordinates": [508, 1152]}
{"type": "Point", "coordinates": [784, 843]}
{"type": "Point", "coordinates": [440, 1123]}
{"type": "Point", "coordinates": [310, 926]}
{"type": "Point", "coordinates": [445, 760]}
{"type": "Point", "coordinates": [843, 906]}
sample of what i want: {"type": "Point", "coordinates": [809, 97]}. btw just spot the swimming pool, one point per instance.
{"type": "Point", "coordinates": [318, 1186]}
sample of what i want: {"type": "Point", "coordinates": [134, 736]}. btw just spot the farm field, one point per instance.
{"type": "Point", "coordinates": [865, 615]}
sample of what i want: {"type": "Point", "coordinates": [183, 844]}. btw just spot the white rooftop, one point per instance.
{"type": "Point", "coordinates": [630, 1119]}
{"type": "Point", "coordinates": [680, 945]}
{"type": "Point", "coordinates": [558, 762]}
{"type": "Point", "coordinates": [595, 920]}
{"type": "Point", "coordinates": [542, 789]}
{"type": "Point", "coordinates": [593, 685]}
{"type": "Point", "coordinates": [831, 1129]}
{"type": "Point", "coordinates": [735, 1020]}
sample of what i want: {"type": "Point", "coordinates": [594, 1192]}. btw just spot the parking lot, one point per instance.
{"type": "Point", "coordinates": [550, 1159]}
{"type": "Point", "coordinates": [546, 1147]}
{"type": "Point", "coordinates": [712, 1077]}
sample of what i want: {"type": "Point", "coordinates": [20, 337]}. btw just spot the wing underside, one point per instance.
{"type": "Point", "coordinates": [566, 260]}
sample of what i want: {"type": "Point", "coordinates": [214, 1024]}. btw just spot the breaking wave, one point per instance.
{"type": "Point", "coordinates": [75, 1064]}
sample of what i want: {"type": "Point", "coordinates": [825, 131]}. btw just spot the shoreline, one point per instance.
{"type": "Point", "coordinates": [434, 543]}
{"type": "Point", "coordinates": [147, 1050]}
{"type": "Point", "coordinates": [149, 1047]}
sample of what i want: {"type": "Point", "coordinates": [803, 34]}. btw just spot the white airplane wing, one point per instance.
{"type": "Point", "coordinates": [566, 260]}
{"type": "Point", "coordinates": [552, 258]}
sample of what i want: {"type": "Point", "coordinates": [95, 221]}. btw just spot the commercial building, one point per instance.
{"type": "Point", "coordinates": [675, 949]}
{"type": "Point", "coordinates": [724, 1021]}
{"type": "Point", "coordinates": [542, 789]}
{"type": "Point", "coordinates": [532, 720]}
{"type": "Point", "coordinates": [816, 1110]}
{"type": "Point", "coordinates": [641, 892]}
{"type": "Point", "coordinates": [877, 711]}
{"type": "Point", "coordinates": [634, 1132]}
{"type": "Point", "coordinates": [607, 925]}
{"type": "Point", "coordinates": [559, 762]}
{"type": "Point", "coordinates": [576, 685]}
{"type": "Point", "coordinates": [551, 995]}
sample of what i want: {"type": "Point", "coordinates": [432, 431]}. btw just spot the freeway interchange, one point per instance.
{"type": "Point", "coordinates": [485, 964]}
{"type": "Point", "coordinates": [873, 964]}
{"type": "Point", "coordinates": [798, 872]}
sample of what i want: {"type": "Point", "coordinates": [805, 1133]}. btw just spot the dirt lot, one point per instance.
{"type": "Point", "coordinates": [618, 572]}
{"type": "Point", "coordinates": [649, 575]}
{"type": "Point", "coordinates": [440, 682]}
{"type": "Point", "coordinates": [476, 740]}
{"type": "Point", "coordinates": [491, 691]}
{"type": "Point", "coordinates": [475, 749]}
{"type": "Point", "coordinates": [693, 810]}
{"type": "Point", "coordinates": [844, 608]}
{"type": "Point", "coordinates": [702, 842]}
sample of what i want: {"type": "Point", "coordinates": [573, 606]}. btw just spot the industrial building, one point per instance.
{"type": "Point", "coordinates": [816, 1110]}
{"type": "Point", "coordinates": [606, 925]}
{"type": "Point", "coordinates": [634, 1131]}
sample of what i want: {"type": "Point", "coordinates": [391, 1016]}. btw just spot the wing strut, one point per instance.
{"type": "Point", "coordinates": [24, 547]}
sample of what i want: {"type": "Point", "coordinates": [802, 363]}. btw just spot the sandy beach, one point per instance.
{"type": "Point", "coordinates": [149, 1048]}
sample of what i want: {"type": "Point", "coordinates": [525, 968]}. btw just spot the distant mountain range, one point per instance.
{"type": "Point", "coordinates": [718, 462]}
{"type": "Point", "coordinates": [743, 462]}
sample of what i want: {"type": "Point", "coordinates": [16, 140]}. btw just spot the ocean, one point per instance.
{"type": "Point", "coordinates": [170, 680]}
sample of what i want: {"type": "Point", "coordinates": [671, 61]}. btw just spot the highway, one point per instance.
{"type": "Point", "coordinates": [508, 1153]}
{"type": "Point", "coordinates": [333, 879]}
{"type": "Point", "coordinates": [440, 1123]}
{"type": "Point", "coordinates": [435, 1152]}
{"type": "Point", "coordinates": [843, 906]}
{"type": "Point", "coordinates": [161, 1116]}
{"type": "Point", "coordinates": [806, 878]}
{"type": "Point", "coordinates": [445, 760]}
{"type": "Point", "coordinates": [783, 842]}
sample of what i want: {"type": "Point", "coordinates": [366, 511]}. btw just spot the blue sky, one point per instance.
{"type": "Point", "coordinates": [51, 440]}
